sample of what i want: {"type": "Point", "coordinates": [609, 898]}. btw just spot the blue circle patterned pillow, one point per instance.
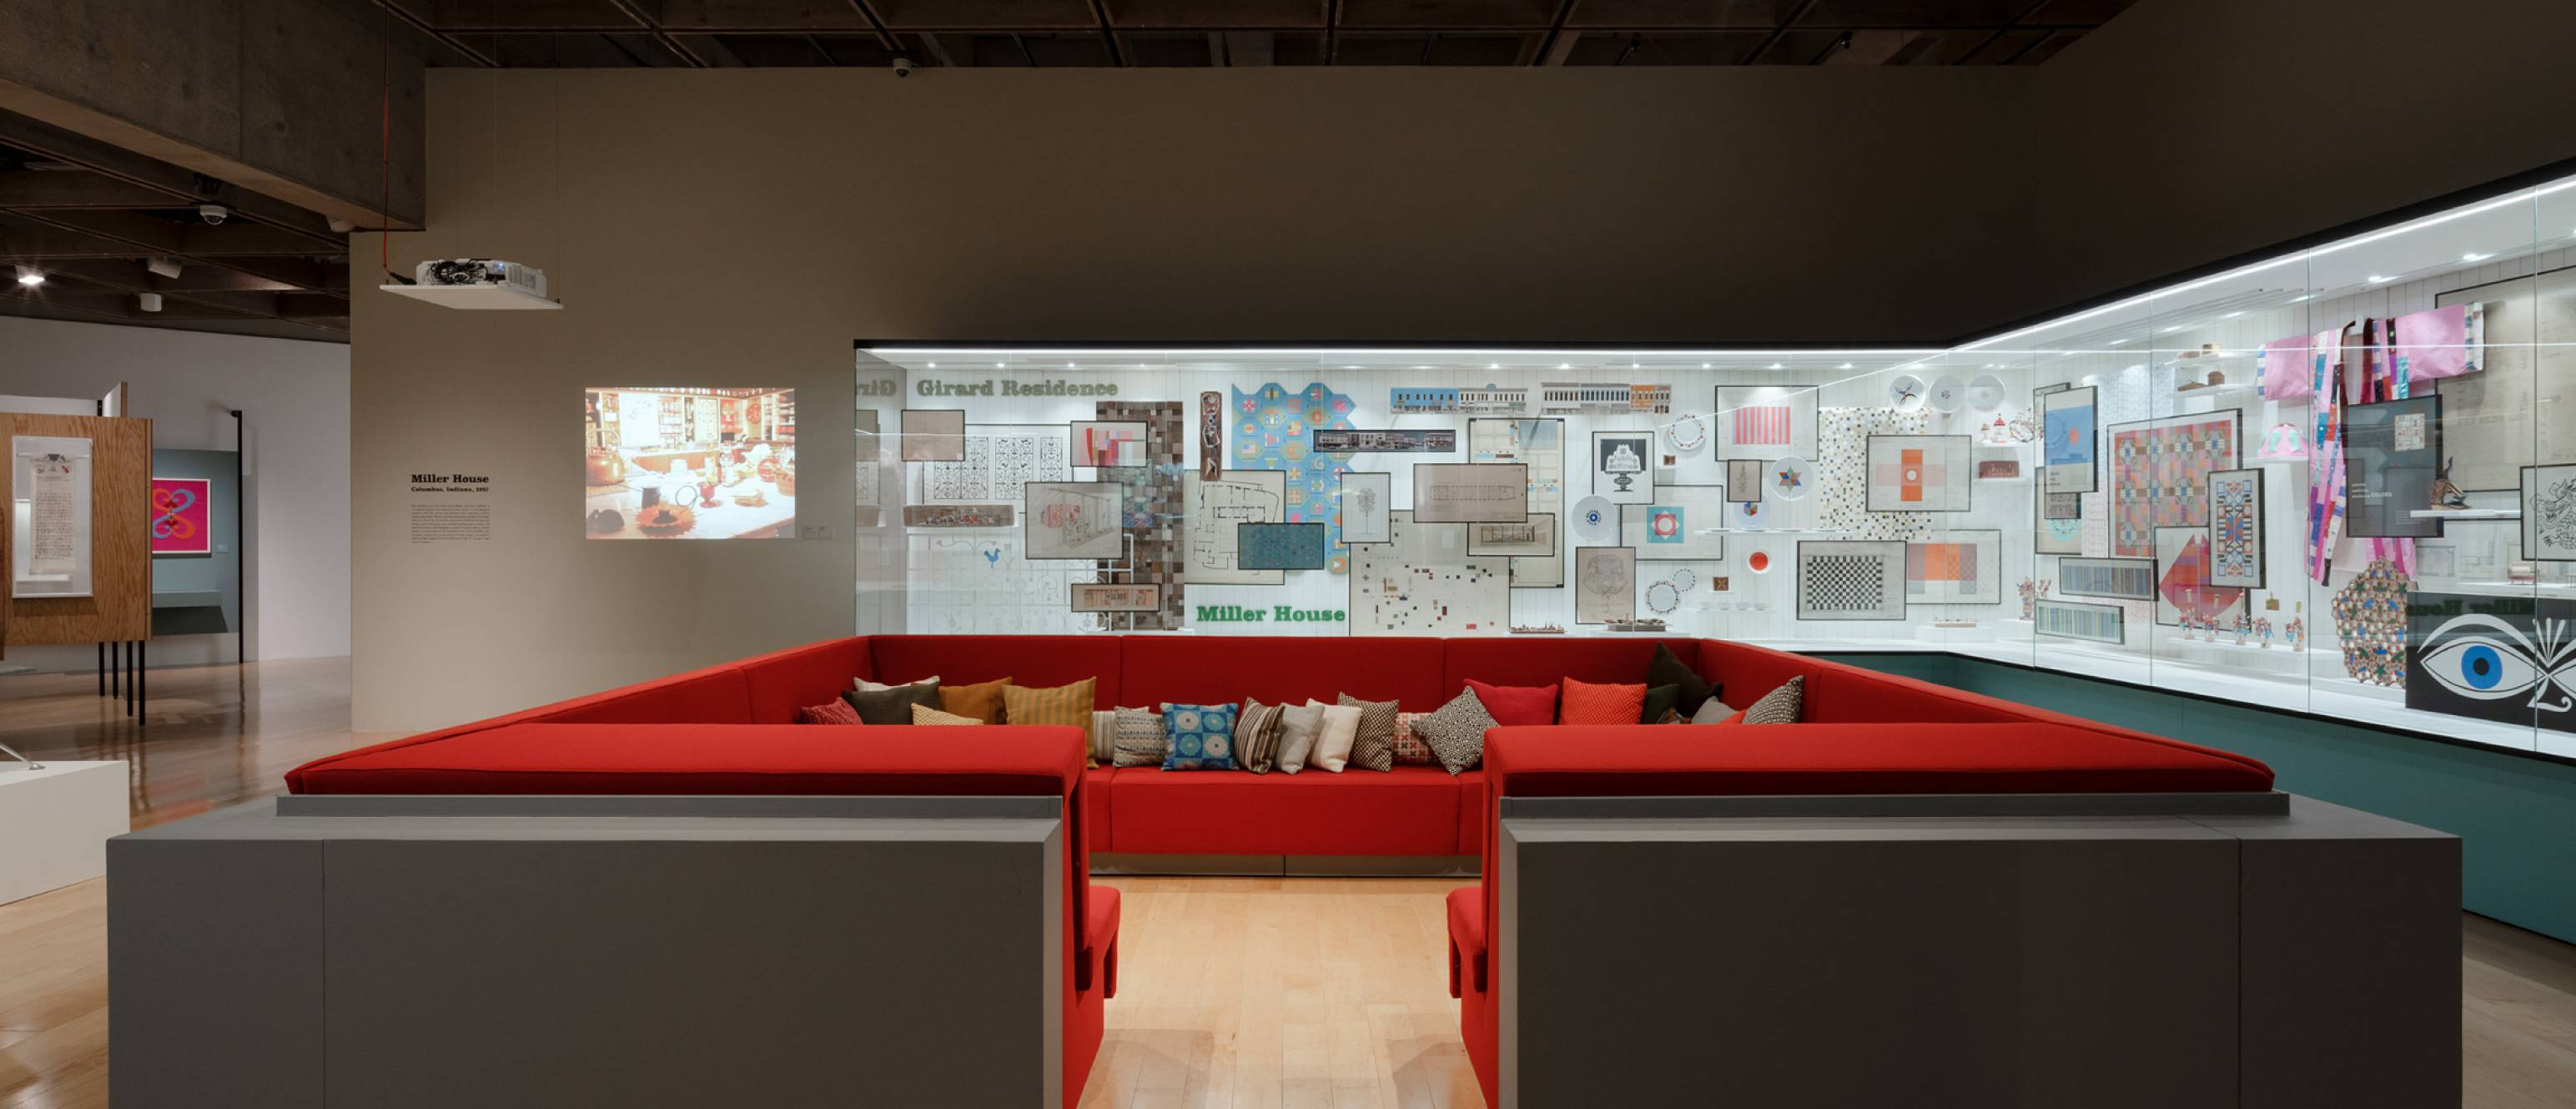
{"type": "Point", "coordinates": [1202, 736]}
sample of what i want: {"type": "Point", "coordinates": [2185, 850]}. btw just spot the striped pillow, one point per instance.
{"type": "Point", "coordinates": [1104, 739]}
{"type": "Point", "coordinates": [1410, 750]}
{"type": "Point", "coordinates": [1256, 736]}
{"type": "Point", "coordinates": [1140, 740]}
{"type": "Point", "coordinates": [1374, 746]}
{"type": "Point", "coordinates": [1068, 705]}
{"type": "Point", "coordinates": [924, 714]}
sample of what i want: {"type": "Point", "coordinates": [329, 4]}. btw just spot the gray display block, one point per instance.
{"type": "Point", "coordinates": [642, 959]}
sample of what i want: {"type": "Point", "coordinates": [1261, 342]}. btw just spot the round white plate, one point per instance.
{"type": "Point", "coordinates": [1682, 578]}
{"type": "Point", "coordinates": [1663, 596]}
{"type": "Point", "coordinates": [1787, 478]}
{"type": "Point", "coordinates": [1986, 393]}
{"type": "Point", "coordinates": [1687, 434]}
{"type": "Point", "coordinates": [1748, 515]}
{"type": "Point", "coordinates": [1905, 394]}
{"type": "Point", "coordinates": [1596, 520]}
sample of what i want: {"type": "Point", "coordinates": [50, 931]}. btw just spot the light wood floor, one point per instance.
{"type": "Point", "coordinates": [1232, 991]}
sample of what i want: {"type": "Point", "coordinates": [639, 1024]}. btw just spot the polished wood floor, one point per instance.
{"type": "Point", "coordinates": [1287, 992]}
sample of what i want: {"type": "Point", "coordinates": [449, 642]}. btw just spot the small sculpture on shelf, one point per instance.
{"type": "Point", "coordinates": [2263, 632]}
{"type": "Point", "coordinates": [2031, 593]}
{"type": "Point", "coordinates": [2244, 625]}
{"type": "Point", "coordinates": [2295, 632]}
{"type": "Point", "coordinates": [2447, 496]}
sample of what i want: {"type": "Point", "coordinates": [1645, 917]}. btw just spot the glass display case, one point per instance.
{"type": "Point", "coordinates": [2341, 480]}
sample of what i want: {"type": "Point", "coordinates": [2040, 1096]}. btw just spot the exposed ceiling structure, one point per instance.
{"type": "Point", "coordinates": [1026, 33]}
{"type": "Point", "coordinates": [110, 230]}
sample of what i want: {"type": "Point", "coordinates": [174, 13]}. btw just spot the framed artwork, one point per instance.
{"type": "Point", "coordinates": [2392, 452]}
{"type": "Point", "coordinates": [1955, 568]}
{"type": "Point", "coordinates": [1279, 546]}
{"type": "Point", "coordinates": [1920, 473]}
{"type": "Point", "coordinates": [1537, 444]}
{"type": "Point", "coordinates": [1084, 596]}
{"type": "Point", "coordinates": [1211, 509]}
{"type": "Point", "coordinates": [1684, 523]}
{"type": "Point", "coordinates": [1422, 581]}
{"type": "Point", "coordinates": [2183, 589]}
{"type": "Point", "coordinates": [1074, 520]}
{"type": "Point", "coordinates": [1766, 421]}
{"type": "Point", "coordinates": [2160, 474]}
{"type": "Point", "coordinates": [1438, 440]}
{"type": "Point", "coordinates": [1744, 479]}
{"type": "Point", "coordinates": [932, 434]}
{"type": "Point", "coordinates": [2053, 534]}
{"type": "Point", "coordinates": [1470, 492]}
{"type": "Point", "coordinates": [1851, 579]}
{"type": "Point", "coordinates": [2483, 655]}
{"type": "Point", "coordinates": [1108, 443]}
{"type": "Point", "coordinates": [181, 521]}
{"type": "Point", "coordinates": [1623, 466]}
{"type": "Point", "coordinates": [2120, 579]}
{"type": "Point", "coordinates": [2069, 434]}
{"type": "Point", "coordinates": [1605, 584]}
{"type": "Point", "coordinates": [957, 515]}
{"type": "Point", "coordinates": [1364, 501]}
{"type": "Point", "coordinates": [2490, 420]}
{"type": "Point", "coordinates": [2236, 528]}
{"type": "Point", "coordinates": [2549, 513]}
{"type": "Point", "coordinates": [1998, 463]}
{"type": "Point", "coordinates": [2078, 620]}
{"type": "Point", "coordinates": [1211, 435]}
{"type": "Point", "coordinates": [1533, 537]}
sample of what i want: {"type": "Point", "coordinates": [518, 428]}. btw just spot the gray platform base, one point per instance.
{"type": "Point", "coordinates": [2122, 961]}
{"type": "Point", "coordinates": [1289, 866]}
{"type": "Point", "coordinates": [672, 953]}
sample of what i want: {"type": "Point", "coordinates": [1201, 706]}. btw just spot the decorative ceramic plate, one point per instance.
{"type": "Point", "coordinates": [1596, 520]}
{"type": "Point", "coordinates": [1663, 596]}
{"type": "Point", "coordinates": [1758, 561]}
{"type": "Point", "coordinates": [1905, 394]}
{"type": "Point", "coordinates": [1682, 578]}
{"type": "Point", "coordinates": [1986, 393]}
{"type": "Point", "coordinates": [1749, 515]}
{"type": "Point", "coordinates": [1947, 394]}
{"type": "Point", "coordinates": [1686, 434]}
{"type": "Point", "coordinates": [1787, 477]}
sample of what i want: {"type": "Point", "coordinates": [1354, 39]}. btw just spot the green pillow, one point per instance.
{"type": "Point", "coordinates": [894, 705]}
{"type": "Point", "coordinates": [1669, 669]}
{"type": "Point", "coordinates": [1660, 699]}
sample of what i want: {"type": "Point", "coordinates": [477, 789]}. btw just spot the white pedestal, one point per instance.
{"type": "Point", "coordinates": [55, 824]}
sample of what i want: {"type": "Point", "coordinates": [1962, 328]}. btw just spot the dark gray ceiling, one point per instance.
{"type": "Point", "coordinates": [1022, 33]}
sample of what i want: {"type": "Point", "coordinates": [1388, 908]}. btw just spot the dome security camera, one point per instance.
{"type": "Point", "coordinates": [903, 67]}
{"type": "Point", "coordinates": [213, 214]}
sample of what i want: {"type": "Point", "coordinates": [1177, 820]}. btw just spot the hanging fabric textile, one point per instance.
{"type": "Point", "coordinates": [2385, 378]}
{"type": "Point", "coordinates": [2325, 448]}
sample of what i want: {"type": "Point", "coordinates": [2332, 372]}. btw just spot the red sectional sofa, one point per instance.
{"type": "Point", "coordinates": [1863, 732]}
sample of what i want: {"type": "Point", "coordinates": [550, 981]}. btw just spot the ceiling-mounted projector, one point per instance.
{"type": "Point", "coordinates": [485, 283]}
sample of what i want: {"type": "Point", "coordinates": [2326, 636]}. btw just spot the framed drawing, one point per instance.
{"type": "Point", "coordinates": [1765, 421]}
{"type": "Point", "coordinates": [181, 521]}
{"type": "Point", "coordinates": [2078, 620]}
{"type": "Point", "coordinates": [1623, 466]}
{"type": "Point", "coordinates": [1847, 579]}
{"type": "Point", "coordinates": [1279, 546]}
{"type": "Point", "coordinates": [1537, 444]}
{"type": "Point", "coordinates": [932, 435]}
{"type": "Point", "coordinates": [1211, 509]}
{"type": "Point", "coordinates": [2491, 422]}
{"type": "Point", "coordinates": [1108, 443]}
{"type": "Point", "coordinates": [1364, 500]}
{"type": "Point", "coordinates": [2160, 474]}
{"type": "Point", "coordinates": [1422, 581]}
{"type": "Point", "coordinates": [1605, 584]}
{"type": "Point", "coordinates": [1074, 520]}
{"type": "Point", "coordinates": [1085, 596]}
{"type": "Point", "coordinates": [1684, 523]}
{"type": "Point", "coordinates": [1470, 492]}
{"type": "Point", "coordinates": [2549, 513]}
{"type": "Point", "coordinates": [1920, 473]}
{"type": "Point", "coordinates": [2183, 589]}
{"type": "Point", "coordinates": [1328, 440]}
{"type": "Point", "coordinates": [1744, 479]}
{"type": "Point", "coordinates": [2120, 579]}
{"type": "Point", "coordinates": [1955, 568]}
{"type": "Point", "coordinates": [2068, 435]}
{"type": "Point", "coordinates": [2392, 451]}
{"type": "Point", "coordinates": [2055, 534]}
{"type": "Point", "coordinates": [1533, 538]}
{"type": "Point", "coordinates": [2236, 528]}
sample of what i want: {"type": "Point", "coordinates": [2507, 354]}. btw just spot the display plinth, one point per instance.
{"type": "Point", "coordinates": [55, 824]}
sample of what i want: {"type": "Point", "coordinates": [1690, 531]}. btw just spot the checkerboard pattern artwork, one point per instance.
{"type": "Point", "coordinates": [1274, 429]}
{"type": "Point", "coordinates": [2160, 475]}
{"type": "Point", "coordinates": [1845, 583]}
{"type": "Point", "coordinates": [1840, 580]}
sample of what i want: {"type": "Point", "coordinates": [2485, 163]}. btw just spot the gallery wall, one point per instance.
{"type": "Point", "coordinates": [741, 228]}
{"type": "Point", "coordinates": [296, 397]}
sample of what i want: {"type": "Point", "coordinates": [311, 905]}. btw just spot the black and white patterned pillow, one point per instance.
{"type": "Point", "coordinates": [1456, 732]}
{"type": "Point", "coordinates": [1139, 740]}
{"type": "Point", "coordinates": [1780, 706]}
{"type": "Point", "coordinates": [1374, 747]}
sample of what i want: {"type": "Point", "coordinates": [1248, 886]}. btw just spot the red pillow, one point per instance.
{"type": "Point", "coordinates": [835, 711]}
{"type": "Point", "coordinates": [1521, 704]}
{"type": "Point", "coordinates": [1586, 703]}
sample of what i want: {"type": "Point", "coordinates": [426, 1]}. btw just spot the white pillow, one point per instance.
{"type": "Point", "coordinates": [865, 686]}
{"type": "Point", "coordinates": [1299, 727]}
{"type": "Point", "coordinates": [1341, 727]}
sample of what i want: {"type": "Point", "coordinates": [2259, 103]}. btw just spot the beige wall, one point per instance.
{"type": "Point", "coordinates": [743, 227]}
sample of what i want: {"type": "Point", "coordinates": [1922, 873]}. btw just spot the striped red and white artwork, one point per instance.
{"type": "Point", "coordinates": [1762, 425]}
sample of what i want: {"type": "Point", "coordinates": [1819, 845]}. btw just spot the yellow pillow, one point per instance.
{"type": "Point", "coordinates": [924, 714]}
{"type": "Point", "coordinates": [982, 700]}
{"type": "Point", "coordinates": [1069, 705]}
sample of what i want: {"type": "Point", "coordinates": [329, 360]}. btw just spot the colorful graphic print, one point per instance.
{"type": "Point", "coordinates": [1842, 465]}
{"type": "Point", "coordinates": [1762, 425]}
{"type": "Point", "coordinates": [1274, 429]}
{"type": "Point", "coordinates": [2236, 528]}
{"type": "Point", "coordinates": [2511, 660]}
{"type": "Point", "coordinates": [2184, 593]}
{"type": "Point", "coordinates": [179, 520]}
{"type": "Point", "coordinates": [1664, 524]}
{"type": "Point", "coordinates": [2160, 475]}
{"type": "Point", "coordinates": [2370, 623]}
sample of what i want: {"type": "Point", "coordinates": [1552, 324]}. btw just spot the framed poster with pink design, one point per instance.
{"type": "Point", "coordinates": [180, 521]}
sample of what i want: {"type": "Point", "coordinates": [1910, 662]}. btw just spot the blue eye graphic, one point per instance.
{"type": "Point", "coordinates": [2482, 657]}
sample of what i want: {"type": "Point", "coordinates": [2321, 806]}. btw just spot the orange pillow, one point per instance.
{"type": "Point", "coordinates": [1586, 703]}
{"type": "Point", "coordinates": [983, 700]}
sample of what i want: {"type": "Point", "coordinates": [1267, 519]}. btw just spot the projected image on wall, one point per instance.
{"type": "Point", "coordinates": [672, 462]}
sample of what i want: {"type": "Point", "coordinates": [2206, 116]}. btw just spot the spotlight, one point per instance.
{"type": "Point", "coordinates": [149, 302]}
{"type": "Point", "coordinates": [163, 267]}
{"type": "Point", "coordinates": [30, 277]}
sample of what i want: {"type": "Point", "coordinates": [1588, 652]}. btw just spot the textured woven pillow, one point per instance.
{"type": "Point", "coordinates": [1140, 740]}
{"type": "Point", "coordinates": [1780, 706]}
{"type": "Point", "coordinates": [1456, 732]}
{"type": "Point", "coordinates": [1669, 669]}
{"type": "Point", "coordinates": [1409, 748]}
{"type": "Point", "coordinates": [892, 705]}
{"type": "Point", "coordinates": [1202, 736]}
{"type": "Point", "coordinates": [837, 712]}
{"type": "Point", "coordinates": [1256, 736]}
{"type": "Point", "coordinates": [1069, 705]}
{"type": "Point", "coordinates": [1586, 703]}
{"type": "Point", "coordinates": [924, 714]}
{"type": "Point", "coordinates": [982, 700]}
{"type": "Point", "coordinates": [1374, 746]}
